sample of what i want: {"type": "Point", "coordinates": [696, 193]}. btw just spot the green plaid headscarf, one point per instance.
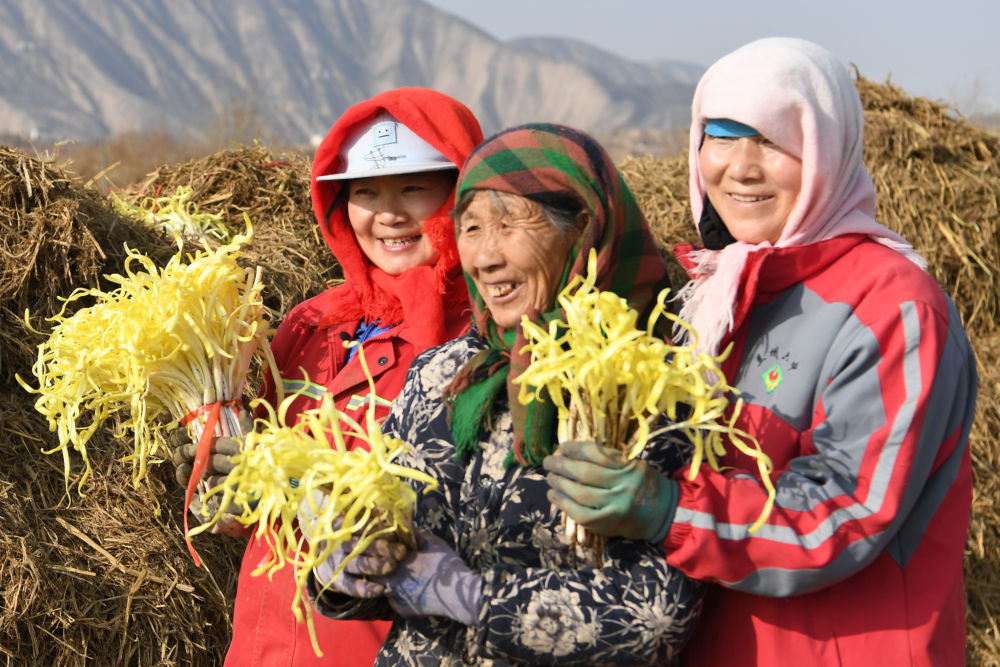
{"type": "Point", "coordinates": [550, 164]}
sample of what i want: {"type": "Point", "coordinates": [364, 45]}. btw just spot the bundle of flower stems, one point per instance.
{"type": "Point", "coordinates": [612, 383]}
{"type": "Point", "coordinates": [282, 462]}
{"type": "Point", "coordinates": [175, 214]}
{"type": "Point", "coordinates": [165, 348]}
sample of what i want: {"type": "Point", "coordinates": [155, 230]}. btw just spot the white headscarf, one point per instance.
{"type": "Point", "coordinates": [803, 99]}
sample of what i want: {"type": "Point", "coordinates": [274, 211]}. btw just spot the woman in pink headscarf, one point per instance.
{"type": "Point", "coordinates": [857, 378]}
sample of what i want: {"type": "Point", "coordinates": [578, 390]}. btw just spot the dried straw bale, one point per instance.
{"type": "Point", "coordinates": [55, 234]}
{"type": "Point", "coordinates": [274, 193]}
{"type": "Point", "coordinates": [101, 580]}
{"type": "Point", "coordinates": [936, 178]}
{"type": "Point", "coordinates": [982, 557]}
{"type": "Point", "coordinates": [660, 186]}
{"type": "Point", "coordinates": [938, 184]}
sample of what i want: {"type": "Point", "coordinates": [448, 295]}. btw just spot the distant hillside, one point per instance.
{"type": "Point", "coordinates": [989, 121]}
{"type": "Point", "coordinates": [660, 93]}
{"type": "Point", "coordinates": [105, 67]}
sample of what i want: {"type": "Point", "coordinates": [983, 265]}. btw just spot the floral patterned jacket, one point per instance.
{"type": "Point", "coordinates": [543, 602]}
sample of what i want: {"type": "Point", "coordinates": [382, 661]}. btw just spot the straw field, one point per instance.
{"type": "Point", "coordinates": [106, 579]}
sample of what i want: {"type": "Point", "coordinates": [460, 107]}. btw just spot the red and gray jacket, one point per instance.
{"type": "Point", "coordinates": [859, 382]}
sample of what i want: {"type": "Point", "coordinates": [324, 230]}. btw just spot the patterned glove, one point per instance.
{"type": "Point", "coordinates": [434, 581]}
{"type": "Point", "coordinates": [612, 496]}
{"type": "Point", "coordinates": [380, 558]}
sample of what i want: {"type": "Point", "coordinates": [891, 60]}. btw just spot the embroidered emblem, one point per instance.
{"type": "Point", "coordinates": [772, 378]}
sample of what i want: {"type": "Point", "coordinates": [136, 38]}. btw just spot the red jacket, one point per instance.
{"type": "Point", "coordinates": [264, 630]}
{"type": "Point", "coordinates": [859, 382]}
{"type": "Point", "coordinates": [427, 304]}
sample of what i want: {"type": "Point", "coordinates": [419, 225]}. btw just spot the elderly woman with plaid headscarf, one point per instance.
{"type": "Point", "coordinates": [495, 580]}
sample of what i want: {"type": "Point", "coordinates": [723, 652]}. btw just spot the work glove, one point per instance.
{"type": "Point", "coordinates": [217, 468]}
{"type": "Point", "coordinates": [434, 581]}
{"type": "Point", "coordinates": [608, 494]}
{"type": "Point", "coordinates": [380, 558]}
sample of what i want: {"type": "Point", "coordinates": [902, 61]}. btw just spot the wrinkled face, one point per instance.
{"type": "Point", "coordinates": [387, 214]}
{"type": "Point", "coordinates": [514, 255]}
{"type": "Point", "coordinates": [752, 183]}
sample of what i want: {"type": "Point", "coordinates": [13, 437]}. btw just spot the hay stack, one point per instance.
{"type": "Point", "coordinates": [274, 192]}
{"type": "Point", "coordinates": [102, 580]}
{"type": "Point", "coordinates": [938, 184]}
{"type": "Point", "coordinates": [55, 235]}
{"type": "Point", "coordinates": [106, 579]}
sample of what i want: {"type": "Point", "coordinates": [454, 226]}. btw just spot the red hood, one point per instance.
{"type": "Point", "coordinates": [447, 125]}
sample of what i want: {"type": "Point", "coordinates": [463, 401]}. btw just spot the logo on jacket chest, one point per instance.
{"type": "Point", "coordinates": [777, 364]}
{"type": "Point", "coordinates": [772, 378]}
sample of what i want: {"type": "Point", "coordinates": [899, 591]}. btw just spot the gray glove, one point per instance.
{"type": "Point", "coordinates": [218, 467]}
{"type": "Point", "coordinates": [380, 558]}
{"type": "Point", "coordinates": [434, 581]}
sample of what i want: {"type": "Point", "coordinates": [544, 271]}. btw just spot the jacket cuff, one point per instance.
{"type": "Point", "coordinates": [676, 534]}
{"type": "Point", "coordinates": [668, 505]}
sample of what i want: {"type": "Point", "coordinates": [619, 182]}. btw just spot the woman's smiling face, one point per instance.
{"type": "Point", "coordinates": [752, 183]}
{"type": "Point", "coordinates": [513, 254]}
{"type": "Point", "coordinates": [387, 214]}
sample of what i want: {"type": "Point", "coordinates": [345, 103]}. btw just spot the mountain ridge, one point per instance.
{"type": "Point", "coordinates": [106, 67]}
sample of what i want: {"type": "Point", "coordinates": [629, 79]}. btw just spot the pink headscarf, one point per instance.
{"type": "Point", "coordinates": [803, 99]}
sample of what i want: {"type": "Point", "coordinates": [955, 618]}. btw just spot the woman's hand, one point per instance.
{"type": "Point", "coordinates": [434, 581]}
{"type": "Point", "coordinates": [380, 558]}
{"type": "Point", "coordinates": [608, 494]}
{"type": "Point", "coordinates": [217, 468]}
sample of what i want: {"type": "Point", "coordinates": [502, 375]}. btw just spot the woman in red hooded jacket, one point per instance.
{"type": "Point", "coordinates": [382, 186]}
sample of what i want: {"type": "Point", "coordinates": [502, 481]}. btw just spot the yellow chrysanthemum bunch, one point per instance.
{"type": "Point", "coordinates": [175, 214]}
{"type": "Point", "coordinates": [174, 342]}
{"type": "Point", "coordinates": [611, 381]}
{"type": "Point", "coordinates": [280, 465]}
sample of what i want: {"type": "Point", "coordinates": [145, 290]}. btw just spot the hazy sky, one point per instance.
{"type": "Point", "coordinates": [941, 49]}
